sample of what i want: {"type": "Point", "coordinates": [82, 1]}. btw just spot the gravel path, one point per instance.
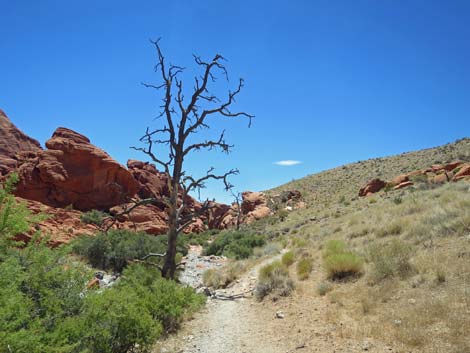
{"type": "Point", "coordinates": [309, 323]}
{"type": "Point", "coordinates": [226, 325]}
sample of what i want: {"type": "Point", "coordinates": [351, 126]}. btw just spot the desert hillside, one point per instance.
{"type": "Point", "coordinates": [329, 186]}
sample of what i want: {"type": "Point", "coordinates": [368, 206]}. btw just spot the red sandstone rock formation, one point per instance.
{"type": "Point", "coordinates": [464, 172]}
{"type": "Point", "coordinates": [13, 141]}
{"type": "Point", "coordinates": [73, 172]}
{"type": "Point", "coordinates": [373, 186]}
{"type": "Point", "coordinates": [254, 206]}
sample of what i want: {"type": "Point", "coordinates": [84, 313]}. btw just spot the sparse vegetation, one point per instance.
{"type": "Point", "coordinates": [323, 288]}
{"type": "Point", "coordinates": [274, 279]}
{"type": "Point", "coordinates": [222, 277]}
{"type": "Point", "coordinates": [94, 217]}
{"type": "Point", "coordinates": [288, 258]}
{"type": "Point", "coordinates": [339, 262]}
{"type": "Point", "coordinates": [390, 259]}
{"type": "Point", "coordinates": [304, 267]}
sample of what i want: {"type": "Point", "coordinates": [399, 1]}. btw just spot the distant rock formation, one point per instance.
{"type": "Point", "coordinates": [373, 186]}
{"type": "Point", "coordinates": [73, 172]}
{"type": "Point", "coordinates": [436, 174]}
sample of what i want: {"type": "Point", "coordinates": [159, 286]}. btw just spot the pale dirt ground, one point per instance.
{"type": "Point", "coordinates": [311, 323]}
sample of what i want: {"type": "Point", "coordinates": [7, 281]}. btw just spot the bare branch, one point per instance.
{"type": "Point", "coordinates": [220, 143]}
{"type": "Point", "coordinates": [152, 254]}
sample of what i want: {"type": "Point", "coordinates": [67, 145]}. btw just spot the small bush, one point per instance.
{"type": "Point", "coordinates": [114, 250]}
{"type": "Point", "coordinates": [235, 244]}
{"type": "Point", "coordinates": [393, 228]}
{"type": "Point", "coordinates": [390, 260]}
{"type": "Point", "coordinates": [397, 200]}
{"type": "Point", "coordinates": [222, 277]}
{"type": "Point", "coordinates": [15, 217]}
{"type": "Point", "coordinates": [304, 267]}
{"type": "Point", "coordinates": [273, 278]}
{"type": "Point", "coordinates": [323, 288]}
{"type": "Point", "coordinates": [288, 258]}
{"type": "Point", "coordinates": [94, 217]}
{"type": "Point", "coordinates": [334, 247]}
{"type": "Point", "coordinates": [340, 263]}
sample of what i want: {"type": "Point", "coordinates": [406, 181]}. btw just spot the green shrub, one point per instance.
{"type": "Point", "coordinates": [40, 291]}
{"type": "Point", "coordinates": [339, 262]}
{"type": "Point", "coordinates": [288, 258]}
{"type": "Point", "coordinates": [116, 321]}
{"type": "Point", "coordinates": [45, 306]}
{"type": "Point", "coordinates": [304, 267]}
{"type": "Point", "coordinates": [334, 247]}
{"type": "Point", "coordinates": [165, 300]}
{"type": "Point", "coordinates": [114, 250]}
{"type": "Point", "coordinates": [15, 217]}
{"type": "Point", "coordinates": [235, 244]}
{"type": "Point", "coordinates": [94, 217]}
{"type": "Point", "coordinates": [273, 278]}
{"type": "Point", "coordinates": [390, 260]}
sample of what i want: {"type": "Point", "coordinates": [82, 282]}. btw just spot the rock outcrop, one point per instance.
{"type": "Point", "coordinates": [61, 225]}
{"type": "Point", "coordinates": [13, 142]}
{"type": "Point", "coordinates": [254, 206]}
{"type": "Point", "coordinates": [436, 174]}
{"type": "Point", "coordinates": [463, 172]}
{"type": "Point", "coordinates": [73, 172]}
{"type": "Point", "coordinates": [373, 186]}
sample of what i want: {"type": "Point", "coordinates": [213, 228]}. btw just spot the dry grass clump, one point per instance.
{"type": "Point", "coordinates": [339, 262]}
{"type": "Point", "coordinates": [222, 277]}
{"type": "Point", "coordinates": [323, 288]}
{"type": "Point", "coordinates": [304, 267]}
{"type": "Point", "coordinates": [288, 258]}
{"type": "Point", "coordinates": [393, 228]}
{"type": "Point", "coordinates": [274, 278]}
{"type": "Point", "coordinates": [391, 259]}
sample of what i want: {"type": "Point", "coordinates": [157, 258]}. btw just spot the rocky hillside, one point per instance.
{"type": "Point", "coordinates": [343, 183]}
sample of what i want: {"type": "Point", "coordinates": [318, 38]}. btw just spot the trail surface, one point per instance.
{"type": "Point", "coordinates": [227, 325]}
{"type": "Point", "coordinates": [309, 322]}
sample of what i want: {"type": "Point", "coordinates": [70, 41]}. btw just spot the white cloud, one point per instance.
{"type": "Point", "coordinates": [287, 163]}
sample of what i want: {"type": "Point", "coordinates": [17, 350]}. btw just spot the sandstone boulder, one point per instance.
{"type": "Point", "coordinates": [440, 178]}
{"type": "Point", "coordinates": [152, 183]}
{"type": "Point", "coordinates": [60, 225]}
{"type": "Point", "coordinates": [399, 179]}
{"type": "Point", "coordinates": [146, 218]}
{"type": "Point", "coordinates": [452, 165]}
{"type": "Point", "coordinates": [252, 200]}
{"type": "Point", "coordinates": [464, 172]}
{"type": "Point", "coordinates": [254, 206]}
{"type": "Point", "coordinates": [403, 185]}
{"type": "Point", "coordinates": [373, 186]}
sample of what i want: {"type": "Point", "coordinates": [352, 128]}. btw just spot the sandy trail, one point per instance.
{"type": "Point", "coordinates": [227, 325]}
{"type": "Point", "coordinates": [310, 324]}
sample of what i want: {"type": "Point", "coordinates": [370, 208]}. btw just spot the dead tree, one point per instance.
{"type": "Point", "coordinates": [178, 126]}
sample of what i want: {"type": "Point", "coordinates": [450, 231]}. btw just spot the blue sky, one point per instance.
{"type": "Point", "coordinates": [330, 82]}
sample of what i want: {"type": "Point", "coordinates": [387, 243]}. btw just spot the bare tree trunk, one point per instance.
{"type": "Point", "coordinates": [169, 267]}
